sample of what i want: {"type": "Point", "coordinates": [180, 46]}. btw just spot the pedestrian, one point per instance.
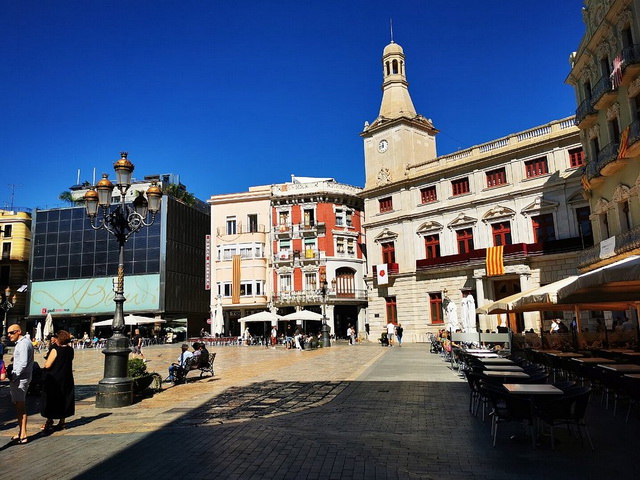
{"type": "Point", "coordinates": [399, 331]}
{"type": "Point", "coordinates": [390, 331]}
{"type": "Point", "coordinates": [20, 378]}
{"type": "Point", "coordinates": [246, 336]}
{"type": "Point", "coordinates": [298, 338]}
{"type": "Point", "coordinates": [58, 395]}
{"type": "Point", "coordinates": [274, 336]}
{"type": "Point", "coordinates": [137, 343]}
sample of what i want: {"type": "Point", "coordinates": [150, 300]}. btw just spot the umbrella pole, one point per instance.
{"type": "Point", "coordinates": [637, 323]}
{"type": "Point", "coordinates": [541, 330]}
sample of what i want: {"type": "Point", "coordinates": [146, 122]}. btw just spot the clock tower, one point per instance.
{"type": "Point", "coordinates": [399, 136]}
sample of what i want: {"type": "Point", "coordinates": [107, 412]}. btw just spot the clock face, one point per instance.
{"type": "Point", "coordinates": [383, 146]}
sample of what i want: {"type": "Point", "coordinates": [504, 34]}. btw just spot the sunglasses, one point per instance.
{"type": "Point", "coordinates": [13, 332]}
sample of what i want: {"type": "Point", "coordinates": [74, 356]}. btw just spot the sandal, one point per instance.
{"type": "Point", "coordinates": [22, 441]}
{"type": "Point", "coordinates": [47, 426]}
{"type": "Point", "coordinates": [61, 426]}
{"type": "Point", "coordinates": [15, 437]}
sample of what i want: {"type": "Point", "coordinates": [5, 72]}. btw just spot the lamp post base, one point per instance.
{"type": "Point", "coordinates": [115, 389]}
{"type": "Point", "coordinates": [326, 338]}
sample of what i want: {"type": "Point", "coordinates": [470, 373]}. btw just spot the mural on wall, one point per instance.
{"type": "Point", "coordinates": [93, 296]}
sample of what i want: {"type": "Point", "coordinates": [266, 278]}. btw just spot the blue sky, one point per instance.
{"type": "Point", "coordinates": [229, 94]}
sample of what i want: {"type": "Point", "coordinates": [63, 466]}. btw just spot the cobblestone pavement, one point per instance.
{"type": "Point", "coordinates": [346, 412]}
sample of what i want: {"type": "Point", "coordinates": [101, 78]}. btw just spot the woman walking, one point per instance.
{"type": "Point", "coordinates": [58, 394]}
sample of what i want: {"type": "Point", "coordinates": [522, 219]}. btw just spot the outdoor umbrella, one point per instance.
{"type": "Point", "coordinates": [39, 332]}
{"type": "Point", "coordinates": [303, 315]}
{"type": "Point", "coordinates": [130, 320]}
{"type": "Point", "coordinates": [264, 316]}
{"type": "Point", "coordinates": [48, 326]}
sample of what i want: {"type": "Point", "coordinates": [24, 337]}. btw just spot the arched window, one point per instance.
{"type": "Point", "coordinates": [345, 283]}
{"type": "Point", "coordinates": [387, 65]}
{"type": "Point", "coordinates": [395, 66]}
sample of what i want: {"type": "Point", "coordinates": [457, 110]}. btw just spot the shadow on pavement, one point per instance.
{"type": "Point", "coordinates": [362, 430]}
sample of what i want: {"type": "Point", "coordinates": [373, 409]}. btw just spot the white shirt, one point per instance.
{"type": "Point", "coordinates": [391, 328]}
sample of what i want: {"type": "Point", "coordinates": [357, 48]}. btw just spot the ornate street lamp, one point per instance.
{"type": "Point", "coordinates": [115, 389]}
{"type": "Point", "coordinates": [326, 339]}
{"type": "Point", "coordinates": [8, 302]}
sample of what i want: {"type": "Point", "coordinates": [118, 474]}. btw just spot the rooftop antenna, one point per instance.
{"type": "Point", "coordinates": [78, 181]}
{"type": "Point", "coordinates": [13, 193]}
{"type": "Point", "coordinates": [391, 25]}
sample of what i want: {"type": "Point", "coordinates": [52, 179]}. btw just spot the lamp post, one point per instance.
{"type": "Point", "coordinates": [326, 339]}
{"type": "Point", "coordinates": [8, 302]}
{"type": "Point", "coordinates": [115, 389]}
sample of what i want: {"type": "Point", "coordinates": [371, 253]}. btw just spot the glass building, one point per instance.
{"type": "Point", "coordinates": [73, 267]}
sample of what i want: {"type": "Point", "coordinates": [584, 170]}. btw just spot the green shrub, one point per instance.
{"type": "Point", "coordinates": [136, 368]}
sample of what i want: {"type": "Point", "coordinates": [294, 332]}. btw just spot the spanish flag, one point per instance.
{"type": "Point", "coordinates": [586, 186]}
{"type": "Point", "coordinates": [495, 265]}
{"type": "Point", "coordinates": [235, 280]}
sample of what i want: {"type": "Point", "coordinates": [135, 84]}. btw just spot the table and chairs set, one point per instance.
{"type": "Point", "coordinates": [546, 389]}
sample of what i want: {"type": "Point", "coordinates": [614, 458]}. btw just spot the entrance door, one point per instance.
{"type": "Point", "coordinates": [505, 288]}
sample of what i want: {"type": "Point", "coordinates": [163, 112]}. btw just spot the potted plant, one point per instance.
{"type": "Point", "coordinates": [137, 370]}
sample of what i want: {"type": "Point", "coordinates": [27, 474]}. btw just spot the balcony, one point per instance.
{"type": "Point", "coordinates": [516, 251]}
{"type": "Point", "coordinates": [608, 163]}
{"type": "Point", "coordinates": [241, 229]}
{"type": "Point", "coordinates": [627, 242]}
{"type": "Point", "coordinates": [631, 63]}
{"type": "Point", "coordinates": [586, 115]}
{"type": "Point", "coordinates": [310, 255]}
{"type": "Point", "coordinates": [633, 140]}
{"type": "Point", "coordinates": [603, 95]}
{"type": "Point", "coordinates": [282, 258]}
{"type": "Point", "coordinates": [392, 268]}
{"type": "Point", "coordinates": [283, 230]}
{"type": "Point", "coordinates": [314, 297]}
{"type": "Point", "coordinates": [311, 229]}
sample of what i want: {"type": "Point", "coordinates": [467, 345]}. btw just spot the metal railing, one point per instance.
{"type": "Point", "coordinates": [624, 243]}
{"type": "Point", "coordinates": [601, 87]}
{"type": "Point", "coordinates": [584, 110]}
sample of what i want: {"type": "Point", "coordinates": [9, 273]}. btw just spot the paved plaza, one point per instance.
{"type": "Point", "coordinates": [352, 412]}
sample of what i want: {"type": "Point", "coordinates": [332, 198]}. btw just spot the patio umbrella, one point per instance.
{"type": "Point", "coordinates": [218, 319]}
{"type": "Point", "coordinates": [303, 315]}
{"type": "Point", "coordinates": [468, 313]}
{"type": "Point", "coordinates": [130, 320]}
{"type": "Point", "coordinates": [48, 326]}
{"type": "Point", "coordinates": [264, 316]}
{"type": "Point", "coordinates": [39, 332]}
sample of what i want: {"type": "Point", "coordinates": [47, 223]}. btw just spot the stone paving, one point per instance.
{"type": "Point", "coordinates": [353, 412]}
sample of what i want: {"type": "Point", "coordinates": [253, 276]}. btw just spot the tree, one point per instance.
{"type": "Point", "coordinates": [180, 193]}
{"type": "Point", "coordinates": [67, 197]}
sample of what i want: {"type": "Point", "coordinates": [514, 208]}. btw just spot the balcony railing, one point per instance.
{"type": "Point", "coordinates": [510, 252]}
{"type": "Point", "coordinates": [601, 88]}
{"type": "Point", "coordinates": [630, 56]}
{"type": "Point", "coordinates": [584, 110]}
{"type": "Point", "coordinates": [240, 228]}
{"type": "Point", "coordinates": [314, 297]}
{"type": "Point", "coordinates": [392, 268]}
{"type": "Point", "coordinates": [634, 133]}
{"type": "Point", "coordinates": [606, 156]}
{"type": "Point", "coordinates": [625, 242]}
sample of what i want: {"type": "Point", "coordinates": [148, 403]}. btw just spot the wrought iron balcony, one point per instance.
{"type": "Point", "coordinates": [603, 93]}
{"type": "Point", "coordinates": [631, 60]}
{"type": "Point", "coordinates": [625, 243]}
{"type": "Point", "coordinates": [314, 297]}
{"type": "Point", "coordinates": [585, 111]}
{"type": "Point", "coordinates": [392, 268]}
{"type": "Point", "coordinates": [311, 228]}
{"type": "Point", "coordinates": [607, 155]}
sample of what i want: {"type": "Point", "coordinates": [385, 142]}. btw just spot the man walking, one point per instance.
{"type": "Point", "coordinates": [20, 378]}
{"type": "Point", "coordinates": [391, 328]}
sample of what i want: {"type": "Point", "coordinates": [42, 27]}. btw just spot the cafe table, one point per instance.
{"type": "Point", "coordinates": [504, 368]}
{"type": "Point", "coordinates": [567, 354]}
{"type": "Point", "coordinates": [485, 355]}
{"type": "Point", "coordinates": [616, 350]}
{"type": "Point", "coordinates": [534, 392]}
{"type": "Point", "coordinates": [633, 375]}
{"type": "Point", "coordinates": [478, 350]}
{"type": "Point", "coordinates": [593, 360]}
{"type": "Point", "coordinates": [623, 368]}
{"type": "Point", "coordinates": [496, 361]}
{"type": "Point", "coordinates": [505, 375]}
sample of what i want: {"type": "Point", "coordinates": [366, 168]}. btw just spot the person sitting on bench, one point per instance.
{"type": "Point", "coordinates": [182, 363]}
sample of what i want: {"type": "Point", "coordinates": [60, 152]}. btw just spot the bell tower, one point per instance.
{"type": "Point", "coordinates": [398, 136]}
